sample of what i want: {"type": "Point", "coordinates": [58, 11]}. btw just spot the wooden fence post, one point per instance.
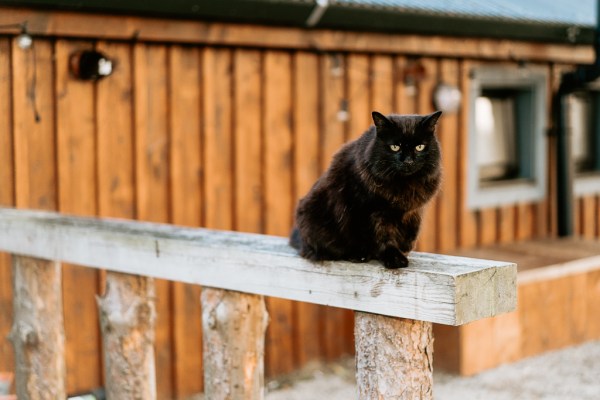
{"type": "Point", "coordinates": [393, 358]}
{"type": "Point", "coordinates": [38, 332]}
{"type": "Point", "coordinates": [127, 317]}
{"type": "Point", "coordinates": [234, 326]}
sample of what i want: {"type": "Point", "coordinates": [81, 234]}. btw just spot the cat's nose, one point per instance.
{"type": "Point", "coordinates": [408, 160]}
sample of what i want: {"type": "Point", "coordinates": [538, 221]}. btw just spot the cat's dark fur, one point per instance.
{"type": "Point", "coordinates": [368, 204]}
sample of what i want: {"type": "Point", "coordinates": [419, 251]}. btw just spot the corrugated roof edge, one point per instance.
{"type": "Point", "coordinates": [337, 16]}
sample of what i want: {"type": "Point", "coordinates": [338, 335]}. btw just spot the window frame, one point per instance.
{"type": "Point", "coordinates": [588, 183]}
{"type": "Point", "coordinates": [532, 152]}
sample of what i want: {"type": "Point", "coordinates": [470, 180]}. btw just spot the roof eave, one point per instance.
{"type": "Point", "coordinates": [336, 16]}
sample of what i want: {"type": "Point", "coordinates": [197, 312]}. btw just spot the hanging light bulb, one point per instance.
{"type": "Point", "coordinates": [24, 40]}
{"type": "Point", "coordinates": [447, 98]}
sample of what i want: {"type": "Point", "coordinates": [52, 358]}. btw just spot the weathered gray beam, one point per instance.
{"type": "Point", "coordinates": [434, 288]}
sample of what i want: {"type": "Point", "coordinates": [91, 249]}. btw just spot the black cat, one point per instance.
{"type": "Point", "coordinates": [368, 204]}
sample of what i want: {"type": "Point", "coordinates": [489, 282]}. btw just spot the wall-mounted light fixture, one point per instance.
{"type": "Point", "coordinates": [24, 40]}
{"type": "Point", "coordinates": [447, 98]}
{"type": "Point", "coordinates": [90, 65]}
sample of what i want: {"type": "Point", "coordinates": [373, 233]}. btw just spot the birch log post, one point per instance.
{"type": "Point", "coordinates": [127, 317]}
{"type": "Point", "coordinates": [393, 358]}
{"type": "Point", "coordinates": [38, 332]}
{"type": "Point", "coordinates": [234, 326]}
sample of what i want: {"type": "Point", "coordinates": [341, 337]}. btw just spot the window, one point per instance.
{"type": "Point", "coordinates": [584, 128]}
{"type": "Point", "coordinates": [507, 148]}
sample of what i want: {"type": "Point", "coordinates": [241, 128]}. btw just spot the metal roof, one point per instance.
{"type": "Point", "coordinates": [573, 12]}
{"type": "Point", "coordinates": [558, 21]}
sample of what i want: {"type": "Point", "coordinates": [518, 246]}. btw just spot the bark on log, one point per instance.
{"type": "Point", "coordinates": [234, 326]}
{"type": "Point", "coordinates": [127, 317]}
{"type": "Point", "coordinates": [393, 357]}
{"type": "Point", "coordinates": [38, 333]}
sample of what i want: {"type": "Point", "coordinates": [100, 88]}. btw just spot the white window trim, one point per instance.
{"type": "Point", "coordinates": [587, 184]}
{"type": "Point", "coordinates": [517, 191]}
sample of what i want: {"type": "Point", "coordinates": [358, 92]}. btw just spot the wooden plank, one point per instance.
{"type": "Point", "coordinates": [76, 138]}
{"type": "Point", "coordinates": [307, 342]}
{"type": "Point", "coordinates": [473, 337]}
{"type": "Point", "coordinates": [506, 224]}
{"type": "Point", "coordinates": [597, 219]}
{"type": "Point", "coordinates": [34, 141]}
{"type": "Point", "coordinates": [487, 226]}
{"type": "Point", "coordinates": [217, 138]}
{"type": "Point", "coordinates": [593, 304]}
{"type": "Point", "coordinates": [115, 141]}
{"type": "Point", "coordinates": [436, 288]}
{"type": "Point", "coordinates": [500, 336]}
{"type": "Point", "coordinates": [448, 132]}
{"type": "Point", "coordinates": [152, 180]}
{"type": "Point", "coordinates": [507, 335]}
{"type": "Point", "coordinates": [185, 205]}
{"type": "Point", "coordinates": [102, 26]}
{"type": "Point", "coordinates": [447, 348]}
{"type": "Point", "coordinates": [359, 107]}
{"type": "Point", "coordinates": [278, 195]}
{"type": "Point", "coordinates": [6, 125]}
{"type": "Point", "coordinates": [525, 221]}
{"type": "Point", "coordinates": [532, 321]}
{"type": "Point", "coordinates": [248, 141]}
{"type": "Point", "coordinates": [467, 222]}
{"type": "Point", "coordinates": [382, 86]}
{"type": "Point", "coordinates": [588, 217]}
{"type": "Point", "coordinates": [333, 136]}
{"type": "Point", "coordinates": [394, 358]}
{"type": "Point", "coordinates": [7, 198]}
{"type": "Point", "coordinates": [577, 307]}
{"type": "Point", "coordinates": [427, 237]}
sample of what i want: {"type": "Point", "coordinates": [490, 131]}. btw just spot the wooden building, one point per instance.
{"type": "Point", "coordinates": [222, 114]}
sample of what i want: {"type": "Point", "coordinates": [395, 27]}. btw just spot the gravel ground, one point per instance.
{"type": "Point", "coordinates": [568, 374]}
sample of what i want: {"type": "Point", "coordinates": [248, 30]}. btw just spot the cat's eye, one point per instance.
{"type": "Point", "coordinates": [394, 147]}
{"type": "Point", "coordinates": [420, 147]}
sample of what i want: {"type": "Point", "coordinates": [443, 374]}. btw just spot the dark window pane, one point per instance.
{"type": "Point", "coordinates": [582, 127]}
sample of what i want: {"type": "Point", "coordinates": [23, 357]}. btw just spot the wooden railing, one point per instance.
{"type": "Point", "coordinates": [394, 309]}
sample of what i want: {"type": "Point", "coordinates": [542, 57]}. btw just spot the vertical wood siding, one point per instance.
{"type": "Point", "coordinates": [225, 138]}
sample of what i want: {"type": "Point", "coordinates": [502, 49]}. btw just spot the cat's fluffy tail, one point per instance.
{"type": "Point", "coordinates": [295, 239]}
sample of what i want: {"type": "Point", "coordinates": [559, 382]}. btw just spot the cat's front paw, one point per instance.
{"type": "Point", "coordinates": [392, 258]}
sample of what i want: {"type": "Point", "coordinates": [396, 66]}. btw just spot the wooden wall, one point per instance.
{"type": "Point", "coordinates": [225, 137]}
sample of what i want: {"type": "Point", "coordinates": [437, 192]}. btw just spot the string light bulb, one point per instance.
{"type": "Point", "coordinates": [447, 98]}
{"type": "Point", "coordinates": [24, 40]}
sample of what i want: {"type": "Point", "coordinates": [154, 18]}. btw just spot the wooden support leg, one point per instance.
{"type": "Point", "coordinates": [38, 332]}
{"type": "Point", "coordinates": [234, 326]}
{"type": "Point", "coordinates": [393, 358]}
{"type": "Point", "coordinates": [127, 317]}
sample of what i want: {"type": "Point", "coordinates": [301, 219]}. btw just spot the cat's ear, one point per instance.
{"type": "Point", "coordinates": [381, 122]}
{"type": "Point", "coordinates": [429, 121]}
